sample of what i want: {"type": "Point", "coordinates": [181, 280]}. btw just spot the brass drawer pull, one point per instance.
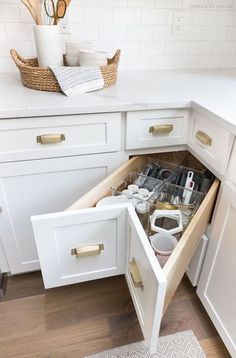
{"type": "Point", "coordinates": [135, 274]}
{"type": "Point", "coordinates": [50, 138]}
{"type": "Point", "coordinates": [203, 138]}
{"type": "Point", "coordinates": [161, 128]}
{"type": "Point", "coordinates": [90, 250]}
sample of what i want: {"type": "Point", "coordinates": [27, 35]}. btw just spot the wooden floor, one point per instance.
{"type": "Point", "coordinates": [77, 320]}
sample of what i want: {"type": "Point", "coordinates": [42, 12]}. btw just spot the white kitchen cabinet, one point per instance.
{"type": "Point", "coordinates": [217, 285]}
{"type": "Point", "coordinates": [58, 136]}
{"type": "Point", "coordinates": [41, 186]}
{"type": "Point", "coordinates": [86, 243]}
{"type": "Point", "coordinates": [157, 128]}
{"type": "Point", "coordinates": [3, 260]}
{"type": "Point", "coordinates": [211, 142]}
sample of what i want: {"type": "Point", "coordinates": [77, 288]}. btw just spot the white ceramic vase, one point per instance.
{"type": "Point", "coordinates": [48, 45]}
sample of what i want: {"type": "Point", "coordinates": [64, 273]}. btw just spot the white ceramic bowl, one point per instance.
{"type": "Point", "coordinates": [72, 60]}
{"type": "Point", "coordinates": [72, 47]}
{"type": "Point", "coordinates": [111, 200]}
{"type": "Point", "coordinates": [92, 58]}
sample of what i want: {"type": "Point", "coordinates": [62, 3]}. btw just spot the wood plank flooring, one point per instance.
{"type": "Point", "coordinates": [77, 320]}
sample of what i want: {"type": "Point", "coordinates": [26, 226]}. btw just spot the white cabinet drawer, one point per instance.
{"type": "Point", "coordinates": [148, 129]}
{"type": "Point", "coordinates": [43, 137]}
{"type": "Point", "coordinates": [56, 234]}
{"type": "Point", "coordinates": [211, 142]}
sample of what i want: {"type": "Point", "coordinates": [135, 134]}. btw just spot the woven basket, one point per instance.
{"type": "Point", "coordinates": [43, 79]}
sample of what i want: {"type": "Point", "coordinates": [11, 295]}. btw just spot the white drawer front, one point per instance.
{"type": "Point", "coordinates": [67, 135]}
{"type": "Point", "coordinates": [147, 129]}
{"type": "Point", "coordinates": [211, 142]}
{"type": "Point", "coordinates": [67, 245]}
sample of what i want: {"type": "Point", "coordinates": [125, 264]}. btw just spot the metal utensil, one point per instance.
{"type": "Point", "coordinates": [55, 11]}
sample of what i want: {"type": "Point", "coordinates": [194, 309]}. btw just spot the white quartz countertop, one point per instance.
{"type": "Point", "coordinates": [213, 92]}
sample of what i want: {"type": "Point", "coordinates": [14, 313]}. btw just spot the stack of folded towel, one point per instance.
{"type": "Point", "coordinates": [75, 80]}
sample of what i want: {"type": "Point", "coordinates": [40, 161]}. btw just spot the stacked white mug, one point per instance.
{"type": "Point", "coordinates": [72, 49]}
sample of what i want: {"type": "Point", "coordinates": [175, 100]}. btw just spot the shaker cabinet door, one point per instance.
{"type": "Point", "coordinates": [217, 283]}
{"type": "Point", "coordinates": [39, 187]}
{"type": "Point", "coordinates": [87, 244]}
{"type": "Point", "coordinates": [146, 281]}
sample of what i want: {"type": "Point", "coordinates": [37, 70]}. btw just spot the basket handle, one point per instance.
{"type": "Point", "coordinates": [19, 61]}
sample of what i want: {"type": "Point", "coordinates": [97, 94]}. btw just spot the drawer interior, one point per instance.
{"type": "Point", "coordinates": [189, 239]}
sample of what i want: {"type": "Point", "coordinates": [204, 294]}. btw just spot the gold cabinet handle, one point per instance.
{"type": "Point", "coordinates": [135, 274]}
{"type": "Point", "coordinates": [161, 128]}
{"type": "Point", "coordinates": [203, 138]}
{"type": "Point", "coordinates": [50, 138]}
{"type": "Point", "coordinates": [90, 250]}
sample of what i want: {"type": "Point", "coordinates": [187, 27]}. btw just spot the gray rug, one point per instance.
{"type": "Point", "coordinates": [179, 345]}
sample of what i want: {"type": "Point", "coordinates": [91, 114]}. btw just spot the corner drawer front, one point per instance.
{"type": "Point", "coordinates": [211, 142]}
{"type": "Point", "coordinates": [43, 137]}
{"type": "Point", "coordinates": [145, 280]}
{"type": "Point", "coordinates": [147, 129]}
{"type": "Point", "coordinates": [179, 260]}
{"type": "Point", "coordinates": [80, 246]}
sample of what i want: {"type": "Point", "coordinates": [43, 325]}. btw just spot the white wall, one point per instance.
{"type": "Point", "coordinates": [141, 28]}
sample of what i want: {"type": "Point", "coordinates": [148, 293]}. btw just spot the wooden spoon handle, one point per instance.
{"type": "Point", "coordinates": [31, 10]}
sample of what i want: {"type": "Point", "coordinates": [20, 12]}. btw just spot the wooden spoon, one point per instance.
{"type": "Point", "coordinates": [31, 10]}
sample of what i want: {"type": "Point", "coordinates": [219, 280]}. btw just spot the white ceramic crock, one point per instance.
{"type": "Point", "coordinates": [48, 45]}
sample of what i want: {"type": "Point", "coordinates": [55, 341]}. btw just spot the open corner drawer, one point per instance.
{"type": "Point", "coordinates": [86, 243]}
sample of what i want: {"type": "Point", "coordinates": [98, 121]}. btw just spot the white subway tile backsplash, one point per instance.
{"type": "Point", "coordinates": [169, 4]}
{"type": "Point", "coordinates": [152, 48]}
{"type": "Point", "coordinates": [143, 29]}
{"type": "Point", "coordinates": [19, 31]}
{"type": "Point", "coordinates": [229, 61]}
{"type": "Point", "coordinates": [141, 3]}
{"type": "Point", "coordinates": [126, 16]}
{"type": "Point", "coordinates": [163, 62]}
{"type": "Point", "coordinates": [210, 61]}
{"type": "Point", "coordinates": [3, 33]}
{"type": "Point", "coordinates": [177, 47]}
{"type": "Point", "coordinates": [224, 47]}
{"type": "Point", "coordinates": [140, 33]}
{"type": "Point", "coordinates": [112, 32]}
{"type": "Point", "coordinates": [98, 15]}
{"type": "Point", "coordinates": [84, 32]}
{"type": "Point", "coordinates": [155, 16]}
{"type": "Point", "coordinates": [9, 13]}
{"type": "Point", "coordinates": [128, 47]}
{"type": "Point", "coordinates": [187, 62]}
{"type": "Point", "coordinates": [201, 47]}
{"type": "Point", "coordinates": [137, 62]}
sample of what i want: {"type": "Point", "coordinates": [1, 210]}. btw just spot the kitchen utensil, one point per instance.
{"type": "Point", "coordinates": [189, 185]}
{"type": "Point", "coordinates": [55, 11]}
{"type": "Point", "coordinates": [173, 215]}
{"type": "Point", "coordinates": [61, 7]}
{"type": "Point", "coordinates": [163, 244]}
{"type": "Point", "coordinates": [34, 7]}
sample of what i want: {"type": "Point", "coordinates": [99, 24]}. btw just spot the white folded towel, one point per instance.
{"type": "Point", "coordinates": [75, 80]}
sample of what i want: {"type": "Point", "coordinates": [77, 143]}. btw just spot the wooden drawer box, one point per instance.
{"type": "Point", "coordinates": [211, 142]}
{"type": "Point", "coordinates": [113, 236]}
{"type": "Point", "coordinates": [148, 129]}
{"type": "Point", "coordinates": [47, 137]}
